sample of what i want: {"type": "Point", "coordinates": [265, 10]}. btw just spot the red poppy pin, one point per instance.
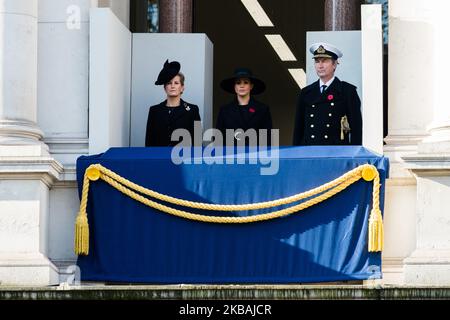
{"type": "Point", "coordinates": [330, 97]}
{"type": "Point", "coordinates": [251, 110]}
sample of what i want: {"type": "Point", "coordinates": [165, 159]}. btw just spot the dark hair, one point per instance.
{"type": "Point", "coordinates": [181, 79]}
{"type": "Point", "coordinates": [237, 79]}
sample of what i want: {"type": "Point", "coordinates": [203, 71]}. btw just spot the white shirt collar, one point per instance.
{"type": "Point", "coordinates": [328, 83]}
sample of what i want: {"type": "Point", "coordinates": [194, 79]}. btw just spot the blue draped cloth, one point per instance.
{"type": "Point", "coordinates": [133, 243]}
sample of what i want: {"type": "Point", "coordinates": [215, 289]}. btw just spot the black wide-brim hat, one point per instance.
{"type": "Point", "coordinates": [228, 84]}
{"type": "Point", "coordinates": [168, 72]}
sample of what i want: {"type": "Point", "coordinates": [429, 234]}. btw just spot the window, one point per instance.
{"type": "Point", "coordinates": [144, 16]}
{"type": "Point", "coordinates": [153, 16]}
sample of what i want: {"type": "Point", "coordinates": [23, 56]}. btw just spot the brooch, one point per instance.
{"type": "Point", "coordinates": [330, 97]}
{"type": "Point", "coordinates": [186, 106]}
{"type": "Point", "coordinates": [251, 110]}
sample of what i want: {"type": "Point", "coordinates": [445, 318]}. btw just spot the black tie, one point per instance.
{"type": "Point", "coordinates": [324, 87]}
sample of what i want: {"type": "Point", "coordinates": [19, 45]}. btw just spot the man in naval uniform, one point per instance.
{"type": "Point", "coordinates": [328, 110]}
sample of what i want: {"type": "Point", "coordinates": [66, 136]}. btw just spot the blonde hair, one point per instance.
{"type": "Point", "coordinates": [181, 78]}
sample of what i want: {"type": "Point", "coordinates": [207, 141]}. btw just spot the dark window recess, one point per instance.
{"type": "Point", "coordinates": [153, 16]}
{"type": "Point", "coordinates": [238, 41]}
{"type": "Point", "coordinates": [144, 16]}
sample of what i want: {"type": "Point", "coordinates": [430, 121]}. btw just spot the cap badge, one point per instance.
{"type": "Point", "coordinates": [321, 49]}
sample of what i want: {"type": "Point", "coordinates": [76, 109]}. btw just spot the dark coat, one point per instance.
{"type": "Point", "coordinates": [318, 116]}
{"type": "Point", "coordinates": [254, 116]}
{"type": "Point", "coordinates": [161, 123]}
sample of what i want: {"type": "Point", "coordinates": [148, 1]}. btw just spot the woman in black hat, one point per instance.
{"type": "Point", "coordinates": [173, 113]}
{"type": "Point", "coordinates": [244, 112]}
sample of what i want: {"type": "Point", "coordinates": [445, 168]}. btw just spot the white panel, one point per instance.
{"type": "Point", "coordinates": [64, 207]}
{"type": "Point", "coordinates": [19, 226]}
{"type": "Point", "coordinates": [23, 216]}
{"type": "Point", "coordinates": [150, 51]}
{"type": "Point", "coordinates": [399, 219]}
{"type": "Point", "coordinates": [207, 110]}
{"type": "Point", "coordinates": [372, 77]}
{"type": "Point", "coordinates": [412, 71]}
{"type": "Point", "coordinates": [433, 220]}
{"type": "Point", "coordinates": [109, 81]}
{"type": "Point", "coordinates": [61, 10]}
{"type": "Point", "coordinates": [63, 70]}
{"type": "Point", "coordinates": [19, 7]}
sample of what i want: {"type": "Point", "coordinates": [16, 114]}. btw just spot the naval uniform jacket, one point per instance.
{"type": "Point", "coordinates": [163, 120]}
{"type": "Point", "coordinates": [318, 115]}
{"type": "Point", "coordinates": [255, 115]}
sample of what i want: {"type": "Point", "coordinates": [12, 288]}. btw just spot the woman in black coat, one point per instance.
{"type": "Point", "coordinates": [244, 112]}
{"type": "Point", "coordinates": [173, 113]}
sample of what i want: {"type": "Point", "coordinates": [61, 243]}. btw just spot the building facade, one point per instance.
{"type": "Point", "coordinates": [45, 107]}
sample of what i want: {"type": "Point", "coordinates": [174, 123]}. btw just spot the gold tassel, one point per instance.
{"type": "Point", "coordinates": [82, 234]}
{"type": "Point", "coordinates": [376, 232]}
{"type": "Point", "coordinates": [81, 245]}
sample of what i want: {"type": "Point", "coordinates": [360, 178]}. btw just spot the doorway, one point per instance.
{"type": "Point", "coordinates": [239, 41]}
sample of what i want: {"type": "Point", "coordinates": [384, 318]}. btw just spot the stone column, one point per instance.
{"type": "Point", "coordinates": [342, 15]}
{"type": "Point", "coordinates": [175, 16]}
{"type": "Point", "coordinates": [27, 172]}
{"type": "Point", "coordinates": [18, 79]}
{"type": "Point", "coordinates": [438, 141]}
{"type": "Point", "coordinates": [427, 22]}
{"type": "Point", "coordinates": [411, 78]}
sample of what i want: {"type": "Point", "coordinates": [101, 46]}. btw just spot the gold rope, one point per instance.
{"type": "Point", "coordinates": [220, 207]}
{"type": "Point", "coordinates": [96, 171]}
{"type": "Point", "coordinates": [220, 219]}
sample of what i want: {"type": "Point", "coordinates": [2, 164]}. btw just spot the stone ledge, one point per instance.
{"type": "Point", "coordinates": [221, 292]}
